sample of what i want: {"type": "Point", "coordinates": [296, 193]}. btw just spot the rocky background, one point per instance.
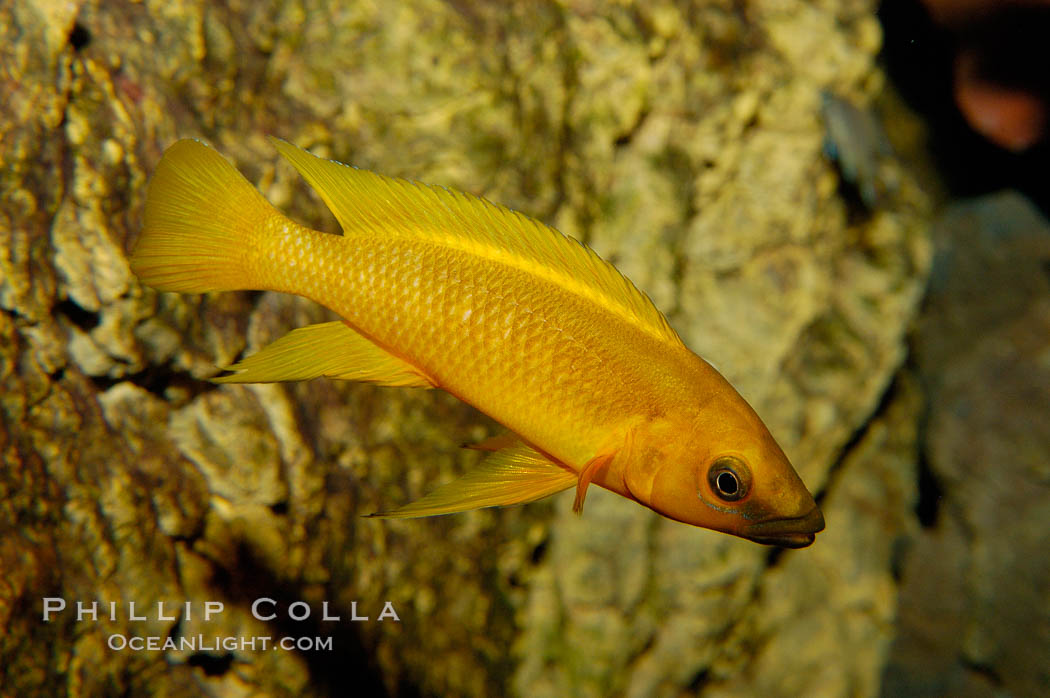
{"type": "Point", "coordinates": [684, 142]}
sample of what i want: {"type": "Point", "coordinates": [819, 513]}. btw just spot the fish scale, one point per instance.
{"type": "Point", "coordinates": [438, 289]}
{"type": "Point", "coordinates": [549, 343]}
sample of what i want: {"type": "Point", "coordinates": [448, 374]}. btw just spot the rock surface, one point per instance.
{"type": "Point", "coordinates": [975, 600]}
{"type": "Point", "coordinates": [681, 142]}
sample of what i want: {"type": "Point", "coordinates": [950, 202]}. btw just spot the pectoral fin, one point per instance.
{"type": "Point", "coordinates": [330, 349]}
{"type": "Point", "coordinates": [513, 475]}
{"type": "Point", "coordinates": [586, 475]}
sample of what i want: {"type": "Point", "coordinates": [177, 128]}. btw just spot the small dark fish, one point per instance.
{"type": "Point", "coordinates": [856, 142]}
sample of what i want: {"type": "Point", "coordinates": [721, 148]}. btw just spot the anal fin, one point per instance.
{"type": "Point", "coordinates": [513, 475]}
{"type": "Point", "coordinates": [329, 349]}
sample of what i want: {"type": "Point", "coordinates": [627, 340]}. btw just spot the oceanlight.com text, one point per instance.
{"type": "Point", "coordinates": [216, 643]}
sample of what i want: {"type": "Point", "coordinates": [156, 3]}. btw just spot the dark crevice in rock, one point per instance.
{"type": "Point", "coordinates": [540, 551]}
{"type": "Point", "coordinates": [930, 492]}
{"type": "Point", "coordinates": [86, 320]}
{"type": "Point", "coordinates": [243, 578]}
{"type": "Point", "coordinates": [983, 670]}
{"type": "Point", "coordinates": [500, 667]}
{"type": "Point", "coordinates": [626, 137]}
{"type": "Point", "coordinates": [210, 664]}
{"type": "Point", "coordinates": [188, 538]}
{"type": "Point", "coordinates": [176, 629]}
{"type": "Point", "coordinates": [929, 488]}
{"type": "Point", "coordinates": [678, 166]}
{"type": "Point", "coordinates": [158, 380]}
{"type": "Point", "coordinates": [885, 400]}
{"type": "Point", "coordinates": [775, 555]}
{"type": "Point", "coordinates": [699, 681]}
{"type": "Point", "coordinates": [898, 558]}
{"type": "Point", "coordinates": [79, 36]}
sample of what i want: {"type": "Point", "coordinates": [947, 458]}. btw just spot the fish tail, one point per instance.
{"type": "Point", "coordinates": [203, 224]}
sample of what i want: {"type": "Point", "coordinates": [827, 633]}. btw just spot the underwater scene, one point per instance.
{"type": "Point", "coordinates": [524, 348]}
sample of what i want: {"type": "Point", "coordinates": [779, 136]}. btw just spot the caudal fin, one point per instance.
{"type": "Point", "coordinates": [203, 220]}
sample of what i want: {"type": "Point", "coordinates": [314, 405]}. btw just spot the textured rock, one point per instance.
{"type": "Point", "coordinates": [682, 142]}
{"type": "Point", "coordinates": [975, 603]}
{"type": "Point", "coordinates": [827, 615]}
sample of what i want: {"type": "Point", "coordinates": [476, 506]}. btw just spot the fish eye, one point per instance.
{"type": "Point", "coordinates": [730, 478]}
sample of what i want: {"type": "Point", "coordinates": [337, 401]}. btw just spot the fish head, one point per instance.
{"type": "Point", "coordinates": [728, 474]}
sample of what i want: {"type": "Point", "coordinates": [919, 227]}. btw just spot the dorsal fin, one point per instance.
{"type": "Point", "coordinates": [363, 200]}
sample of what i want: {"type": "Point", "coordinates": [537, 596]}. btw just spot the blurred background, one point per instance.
{"type": "Point", "coordinates": [841, 204]}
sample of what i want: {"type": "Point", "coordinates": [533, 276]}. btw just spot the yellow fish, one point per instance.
{"type": "Point", "coordinates": [440, 289]}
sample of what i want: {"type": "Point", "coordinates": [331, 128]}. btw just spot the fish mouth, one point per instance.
{"type": "Point", "coordinates": [798, 532]}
